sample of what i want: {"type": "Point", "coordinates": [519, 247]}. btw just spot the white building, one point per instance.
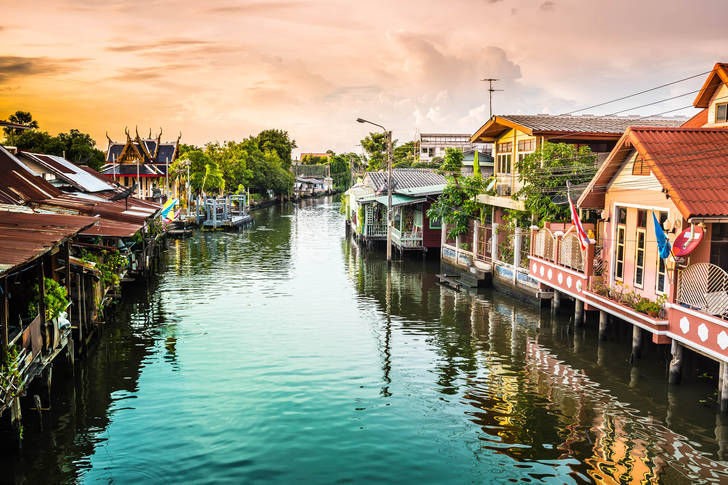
{"type": "Point", "coordinates": [434, 144]}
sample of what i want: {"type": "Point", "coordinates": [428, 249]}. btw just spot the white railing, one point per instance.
{"type": "Point", "coordinates": [408, 239]}
{"type": "Point", "coordinates": [376, 230]}
{"type": "Point", "coordinates": [544, 244]}
{"type": "Point", "coordinates": [704, 287]}
{"type": "Point", "coordinates": [570, 252]}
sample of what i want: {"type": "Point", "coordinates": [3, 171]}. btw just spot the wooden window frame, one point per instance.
{"type": "Point", "coordinates": [725, 116]}
{"type": "Point", "coordinates": [506, 158]}
{"type": "Point", "coordinates": [661, 264]}
{"type": "Point", "coordinates": [619, 270]}
{"type": "Point", "coordinates": [643, 233]}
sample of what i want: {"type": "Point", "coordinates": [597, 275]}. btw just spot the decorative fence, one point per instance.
{"type": "Point", "coordinates": [570, 254]}
{"type": "Point", "coordinates": [411, 239]}
{"type": "Point", "coordinates": [484, 243]}
{"type": "Point", "coordinates": [704, 287]}
{"type": "Point", "coordinates": [374, 226]}
{"type": "Point", "coordinates": [544, 243]}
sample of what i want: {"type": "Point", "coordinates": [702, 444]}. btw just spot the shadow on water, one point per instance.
{"type": "Point", "coordinates": [543, 393]}
{"type": "Point", "coordinates": [282, 354]}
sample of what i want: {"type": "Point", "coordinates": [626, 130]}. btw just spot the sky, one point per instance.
{"type": "Point", "coordinates": [223, 70]}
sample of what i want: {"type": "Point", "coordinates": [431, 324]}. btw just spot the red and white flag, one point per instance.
{"type": "Point", "coordinates": [580, 233]}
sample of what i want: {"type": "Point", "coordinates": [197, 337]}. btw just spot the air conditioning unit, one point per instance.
{"type": "Point", "coordinates": [503, 190]}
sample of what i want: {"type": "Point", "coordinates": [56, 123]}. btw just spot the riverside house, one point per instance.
{"type": "Point", "coordinates": [413, 190]}
{"type": "Point", "coordinates": [677, 177]}
{"type": "Point", "coordinates": [513, 137]}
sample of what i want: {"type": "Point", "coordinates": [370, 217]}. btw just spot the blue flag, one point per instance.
{"type": "Point", "coordinates": [663, 245]}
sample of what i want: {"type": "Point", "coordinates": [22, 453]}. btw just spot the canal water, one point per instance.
{"type": "Point", "coordinates": [283, 354]}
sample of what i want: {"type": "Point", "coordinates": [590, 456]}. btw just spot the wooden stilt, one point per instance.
{"type": "Point", "coordinates": [556, 301]}
{"type": "Point", "coordinates": [636, 343]}
{"type": "Point", "coordinates": [578, 313]}
{"type": "Point", "coordinates": [675, 363]}
{"type": "Point", "coordinates": [603, 324]}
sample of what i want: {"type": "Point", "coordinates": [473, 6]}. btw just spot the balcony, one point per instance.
{"type": "Point", "coordinates": [375, 230]}
{"type": "Point", "coordinates": [408, 239]}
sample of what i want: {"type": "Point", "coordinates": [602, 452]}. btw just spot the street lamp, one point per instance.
{"type": "Point", "coordinates": [389, 185]}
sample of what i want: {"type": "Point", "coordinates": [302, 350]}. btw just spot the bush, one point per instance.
{"type": "Point", "coordinates": [56, 299]}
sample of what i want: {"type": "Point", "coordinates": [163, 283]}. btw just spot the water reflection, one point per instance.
{"type": "Point", "coordinates": [283, 354]}
{"type": "Point", "coordinates": [528, 403]}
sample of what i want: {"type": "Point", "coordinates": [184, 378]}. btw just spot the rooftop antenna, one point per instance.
{"type": "Point", "coordinates": [491, 90]}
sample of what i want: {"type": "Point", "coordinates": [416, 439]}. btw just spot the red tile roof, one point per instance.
{"type": "Point", "coordinates": [690, 163]}
{"type": "Point", "coordinates": [697, 121]}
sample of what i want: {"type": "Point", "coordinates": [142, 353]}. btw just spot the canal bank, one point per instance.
{"type": "Point", "coordinates": [282, 353]}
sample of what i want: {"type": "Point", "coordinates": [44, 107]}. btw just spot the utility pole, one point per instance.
{"type": "Point", "coordinates": [490, 81]}
{"type": "Point", "coordinates": [389, 197]}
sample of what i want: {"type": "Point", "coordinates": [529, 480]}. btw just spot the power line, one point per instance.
{"type": "Point", "coordinates": [639, 93]}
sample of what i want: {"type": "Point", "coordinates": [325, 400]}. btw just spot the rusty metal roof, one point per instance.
{"type": "Point", "coordinates": [25, 237]}
{"type": "Point", "coordinates": [68, 172]}
{"type": "Point", "coordinates": [690, 163]}
{"type": "Point", "coordinates": [18, 184]}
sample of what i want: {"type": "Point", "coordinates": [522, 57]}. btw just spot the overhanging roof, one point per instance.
{"type": "Point", "coordinates": [422, 191]}
{"type": "Point", "coordinates": [398, 200]}
{"type": "Point", "coordinates": [718, 76]}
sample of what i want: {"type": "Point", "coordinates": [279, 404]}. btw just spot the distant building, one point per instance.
{"type": "Point", "coordinates": [141, 161]}
{"type": "Point", "coordinates": [433, 145]}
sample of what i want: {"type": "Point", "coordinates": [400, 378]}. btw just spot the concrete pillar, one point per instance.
{"type": "Point", "coordinates": [723, 391]}
{"type": "Point", "coordinates": [603, 324]}
{"type": "Point", "coordinates": [721, 435]}
{"type": "Point", "coordinates": [517, 244]}
{"type": "Point", "coordinates": [675, 363]}
{"type": "Point", "coordinates": [601, 353]}
{"type": "Point", "coordinates": [634, 377]}
{"type": "Point", "coordinates": [494, 241]}
{"type": "Point", "coordinates": [636, 343]}
{"type": "Point", "coordinates": [556, 301]}
{"type": "Point", "coordinates": [578, 313]}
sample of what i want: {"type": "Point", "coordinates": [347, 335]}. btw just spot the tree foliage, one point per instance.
{"type": "Point", "coordinates": [545, 173]}
{"type": "Point", "coordinates": [453, 161]}
{"type": "Point", "coordinates": [77, 147]}
{"type": "Point", "coordinates": [375, 145]}
{"type": "Point", "coordinates": [279, 142]}
{"type": "Point", "coordinates": [457, 205]}
{"type": "Point", "coordinates": [405, 155]}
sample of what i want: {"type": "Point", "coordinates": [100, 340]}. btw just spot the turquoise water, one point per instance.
{"type": "Point", "coordinates": [284, 355]}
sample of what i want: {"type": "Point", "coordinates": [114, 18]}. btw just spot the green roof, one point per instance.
{"type": "Point", "coordinates": [398, 199]}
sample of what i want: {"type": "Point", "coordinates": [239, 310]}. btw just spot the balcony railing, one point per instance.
{"type": "Point", "coordinates": [570, 254]}
{"type": "Point", "coordinates": [703, 287]}
{"type": "Point", "coordinates": [411, 239]}
{"type": "Point", "coordinates": [376, 230]}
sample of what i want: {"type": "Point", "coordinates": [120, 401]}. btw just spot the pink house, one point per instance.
{"type": "Point", "coordinates": [680, 177]}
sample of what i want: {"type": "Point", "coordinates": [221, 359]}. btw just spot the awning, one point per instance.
{"type": "Point", "coordinates": [400, 200]}
{"type": "Point", "coordinates": [422, 191]}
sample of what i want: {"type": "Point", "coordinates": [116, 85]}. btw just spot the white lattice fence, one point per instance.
{"type": "Point", "coordinates": [704, 286]}
{"type": "Point", "coordinates": [570, 252]}
{"type": "Point", "coordinates": [544, 244]}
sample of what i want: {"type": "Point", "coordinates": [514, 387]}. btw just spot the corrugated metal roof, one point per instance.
{"type": "Point", "coordinates": [690, 163]}
{"type": "Point", "coordinates": [24, 237]}
{"type": "Point", "coordinates": [422, 191]}
{"type": "Point", "coordinates": [405, 178]}
{"type": "Point", "coordinates": [18, 183]}
{"type": "Point", "coordinates": [69, 172]}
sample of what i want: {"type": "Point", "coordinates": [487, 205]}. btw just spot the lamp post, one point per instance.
{"type": "Point", "coordinates": [389, 185]}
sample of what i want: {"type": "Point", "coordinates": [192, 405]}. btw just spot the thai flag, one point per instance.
{"type": "Point", "coordinates": [580, 233]}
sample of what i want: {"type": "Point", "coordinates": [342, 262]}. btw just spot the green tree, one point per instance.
{"type": "Point", "coordinates": [20, 118]}
{"type": "Point", "coordinates": [405, 155]}
{"type": "Point", "coordinates": [453, 161]}
{"type": "Point", "coordinates": [375, 145]}
{"type": "Point", "coordinates": [232, 158]}
{"type": "Point", "coordinates": [308, 159]}
{"type": "Point", "coordinates": [213, 180]}
{"type": "Point", "coordinates": [545, 173]}
{"type": "Point", "coordinates": [457, 205]}
{"type": "Point", "coordinates": [278, 141]}
{"type": "Point", "coordinates": [197, 161]}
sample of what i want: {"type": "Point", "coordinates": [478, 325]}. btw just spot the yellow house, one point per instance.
{"type": "Point", "coordinates": [515, 136]}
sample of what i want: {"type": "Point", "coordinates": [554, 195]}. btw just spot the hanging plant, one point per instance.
{"type": "Point", "coordinates": [56, 299]}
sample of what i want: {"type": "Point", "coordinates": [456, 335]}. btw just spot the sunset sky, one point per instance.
{"type": "Point", "coordinates": [220, 70]}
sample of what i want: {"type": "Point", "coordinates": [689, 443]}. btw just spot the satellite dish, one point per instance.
{"type": "Point", "coordinates": [125, 193]}
{"type": "Point", "coordinates": [684, 244]}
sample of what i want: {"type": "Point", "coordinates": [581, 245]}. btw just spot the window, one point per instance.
{"type": "Point", "coordinates": [527, 145]}
{"type": "Point", "coordinates": [661, 283]}
{"type": "Point", "coordinates": [435, 223]}
{"type": "Point", "coordinates": [619, 260]}
{"type": "Point", "coordinates": [505, 147]}
{"type": "Point", "coordinates": [504, 163]}
{"type": "Point", "coordinates": [639, 259]}
{"type": "Point", "coordinates": [721, 113]}
{"type": "Point", "coordinates": [641, 218]}
{"type": "Point", "coordinates": [639, 167]}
